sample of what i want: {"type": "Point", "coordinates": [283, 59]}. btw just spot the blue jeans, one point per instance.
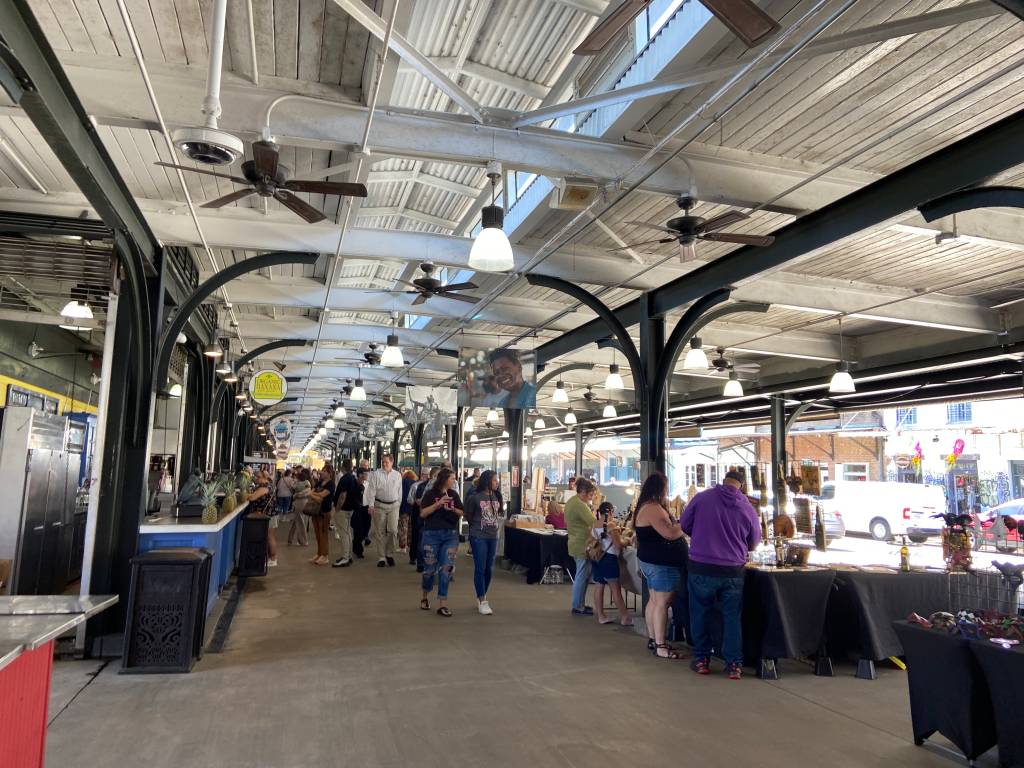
{"type": "Point", "coordinates": [727, 593]}
{"type": "Point", "coordinates": [439, 550]}
{"type": "Point", "coordinates": [580, 582]}
{"type": "Point", "coordinates": [484, 551]}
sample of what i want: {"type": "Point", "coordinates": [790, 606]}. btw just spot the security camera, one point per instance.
{"type": "Point", "coordinates": [210, 146]}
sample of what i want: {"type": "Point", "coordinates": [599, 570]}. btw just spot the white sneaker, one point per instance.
{"type": "Point", "coordinates": [271, 563]}
{"type": "Point", "coordinates": [485, 608]}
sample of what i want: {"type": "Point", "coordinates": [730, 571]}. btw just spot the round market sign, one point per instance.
{"type": "Point", "coordinates": [268, 387]}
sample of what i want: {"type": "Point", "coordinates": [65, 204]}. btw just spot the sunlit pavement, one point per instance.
{"type": "Point", "coordinates": [854, 550]}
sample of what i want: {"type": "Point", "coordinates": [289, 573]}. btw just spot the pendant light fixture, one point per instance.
{"type": "Point", "coordinates": [696, 359]}
{"type": "Point", "coordinates": [539, 423]}
{"type": "Point", "coordinates": [491, 251]}
{"type": "Point", "coordinates": [223, 367]}
{"type": "Point", "coordinates": [322, 431]}
{"type": "Point", "coordinates": [469, 425]}
{"type": "Point", "coordinates": [174, 391]}
{"type": "Point", "coordinates": [560, 396]}
{"type": "Point", "coordinates": [241, 396]}
{"type": "Point", "coordinates": [77, 310]}
{"type": "Point", "coordinates": [492, 416]}
{"type": "Point", "coordinates": [358, 393]}
{"type": "Point", "coordinates": [399, 423]}
{"type": "Point", "coordinates": [181, 339]}
{"type": "Point", "coordinates": [230, 377]}
{"type": "Point", "coordinates": [609, 411]}
{"type": "Point", "coordinates": [339, 412]}
{"type": "Point", "coordinates": [329, 423]}
{"type": "Point", "coordinates": [240, 412]}
{"type": "Point", "coordinates": [392, 356]}
{"type": "Point", "coordinates": [614, 380]}
{"type": "Point", "coordinates": [528, 432]}
{"type": "Point", "coordinates": [213, 350]}
{"type": "Point", "coordinates": [570, 417]}
{"type": "Point", "coordinates": [473, 438]}
{"type": "Point", "coordinates": [842, 381]}
{"type": "Point", "coordinates": [504, 433]}
{"type": "Point", "coordinates": [733, 387]}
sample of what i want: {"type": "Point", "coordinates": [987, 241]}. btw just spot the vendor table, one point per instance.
{"type": "Point", "coordinates": [783, 617]}
{"type": "Point", "coordinates": [865, 605]}
{"type": "Point", "coordinates": [221, 538]}
{"type": "Point", "coordinates": [948, 693]}
{"type": "Point", "coordinates": [28, 627]}
{"type": "Point", "coordinates": [536, 551]}
{"type": "Point", "coordinates": [1003, 671]}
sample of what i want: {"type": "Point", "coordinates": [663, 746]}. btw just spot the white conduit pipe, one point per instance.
{"type": "Point", "coordinates": [211, 104]}
{"type": "Point", "coordinates": [252, 43]}
{"type": "Point", "coordinates": [12, 155]}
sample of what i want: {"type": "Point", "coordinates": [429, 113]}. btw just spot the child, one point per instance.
{"type": "Point", "coordinates": [606, 570]}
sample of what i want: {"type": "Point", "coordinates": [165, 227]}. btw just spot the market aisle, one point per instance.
{"type": "Point", "coordinates": [329, 667]}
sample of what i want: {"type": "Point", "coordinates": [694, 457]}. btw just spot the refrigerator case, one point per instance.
{"type": "Point", "coordinates": [40, 479]}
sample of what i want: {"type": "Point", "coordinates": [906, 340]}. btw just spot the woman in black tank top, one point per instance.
{"type": "Point", "coordinates": [661, 550]}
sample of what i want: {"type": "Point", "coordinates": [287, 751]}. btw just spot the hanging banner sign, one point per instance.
{"type": "Point", "coordinates": [281, 429]}
{"type": "Point", "coordinates": [268, 387]}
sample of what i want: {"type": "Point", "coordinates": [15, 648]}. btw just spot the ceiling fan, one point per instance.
{"type": "Point", "coordinates": [687, 230]}
{"type": "Point", "coordinates": [266, 177]}
{"type": "Point", "coordinates": [743, 18]}
{"type": "Point", "coordinates": [428, 286]}
{"type": "Point", "coordinates": [724, 365]}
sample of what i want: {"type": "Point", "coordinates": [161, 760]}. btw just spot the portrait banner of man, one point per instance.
{"type": "Point", "coordinates": [497, 378]}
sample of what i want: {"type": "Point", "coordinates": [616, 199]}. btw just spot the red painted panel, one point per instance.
{"type": "Point", "coordinates": [24, 699]}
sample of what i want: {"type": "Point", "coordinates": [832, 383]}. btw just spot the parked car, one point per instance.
{"type": "Point", "coordinates": [883, 509]}
{"type": "Point", "coordinates": [1001, 526]}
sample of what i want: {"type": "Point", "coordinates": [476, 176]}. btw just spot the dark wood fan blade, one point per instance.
{"type": "Point", "coordinates": [457, 297]}
{"type": "Point", "coordinates": [604, 32]}
{"type": "Point", "coordinates": [744, 19]}
{"type": "Point", "coordinates": [406, 282]}
{"type": "Point", "coordinates": [725, 237]}
{"type": "Point", "coordinates": [648, 225]}
{"type": "Point", "coordinates": [459, 287]}
{"type": "Point", "coordinates": [727, 219]}
{"type": "Point", "coordinates": [342, 188]}
{"type": "Point", "coordinates": [236, 179]}
{"type": "Point", "coordinates": [419, 299]}
{"type": "Point", "coordinates": [264, 158]}
{"type": "Point", "coordinates": [641, 245]}
{"type": "Point", "coordinates": [306, 211]}
{"type": "Point", "coordinates": [220, 202]}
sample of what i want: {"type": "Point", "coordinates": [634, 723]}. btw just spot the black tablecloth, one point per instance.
{"type": "Point", "coordinates": [862, 610]}
{"type": "Point", "coordinates": [1004, 674]}
{"type": "Point", "coordinates": [783, 614]}
{"type": "Point", "coordinates": [536, 551]}
{"type": "Point", "coordinates": [948, 692]}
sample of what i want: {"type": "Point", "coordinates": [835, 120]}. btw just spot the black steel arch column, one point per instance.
{"type": "Point", "coordinates": [636, 366]}
{"type": "Point", "coordinates": [206, 289]}
{"type": "Point", "coordinates": [563, 369]}
{"type": "Point", "coordinates": [515, 424]}
{"type": "Point", "coordinates": [969, 199]}
{"type": "Point", "coordinates": [247, 358]}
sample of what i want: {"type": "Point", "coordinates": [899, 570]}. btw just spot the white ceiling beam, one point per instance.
{"type": "Point", "coordinates": [487, 74]}
{"type": "Point", "coordinates": [422, 64]}
{"type": "Point", "coordinates": [399, 210]}
{"type": "Point", "coordinates": [592, 7]}
{"type": "Point", "coordinates": [383, 177]}
{"type": "Point", "coordinates": [675, 82]}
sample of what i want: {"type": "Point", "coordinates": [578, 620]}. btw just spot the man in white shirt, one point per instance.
{"type": "Point", "coordinates": [383, 496]}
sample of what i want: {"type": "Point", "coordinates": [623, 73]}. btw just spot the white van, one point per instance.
{"type": "Point", "coordinates": [882, 509]}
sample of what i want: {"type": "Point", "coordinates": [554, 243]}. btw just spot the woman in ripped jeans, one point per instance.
{"type": "Point", "coordinates": [440, 511]}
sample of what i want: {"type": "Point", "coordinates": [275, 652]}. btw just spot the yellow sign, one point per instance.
{"type": "Point", "coordinates": [268, 387]}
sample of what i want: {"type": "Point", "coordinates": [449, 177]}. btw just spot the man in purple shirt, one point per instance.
{"type": "Point", "coordinates": [723, 527]}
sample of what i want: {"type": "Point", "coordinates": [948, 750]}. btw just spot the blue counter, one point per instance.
{"type": "Point", "coordinates": [221, 538]}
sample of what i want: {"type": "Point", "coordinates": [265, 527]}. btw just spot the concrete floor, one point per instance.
{"type": "Point", "coordinates": [327, 667]}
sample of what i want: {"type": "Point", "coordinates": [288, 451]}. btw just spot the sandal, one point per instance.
{"type": "Point", "coordinates": [651, 645]}
{"type": "Point", "coordinates": [671, 653]}
{"type": "Point", "coordinates": [443, 611]}
{"type": "Point", "coordinates": [424, 604]}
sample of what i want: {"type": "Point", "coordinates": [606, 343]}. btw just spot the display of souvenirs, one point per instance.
{"type": "Point", "coordinates": [956, 542]}
{"type": "Point", "coordinates": [974, 625]}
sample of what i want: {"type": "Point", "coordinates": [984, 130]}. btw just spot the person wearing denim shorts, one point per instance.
{"type": "Point", "coordinates": [723, 527]}
{"type": "Point", "coordinates": [606, 570]}
{"type": "Point", "coordinates": [440, 511]}
{"type": "Point", "coordinates": [661, 551]}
